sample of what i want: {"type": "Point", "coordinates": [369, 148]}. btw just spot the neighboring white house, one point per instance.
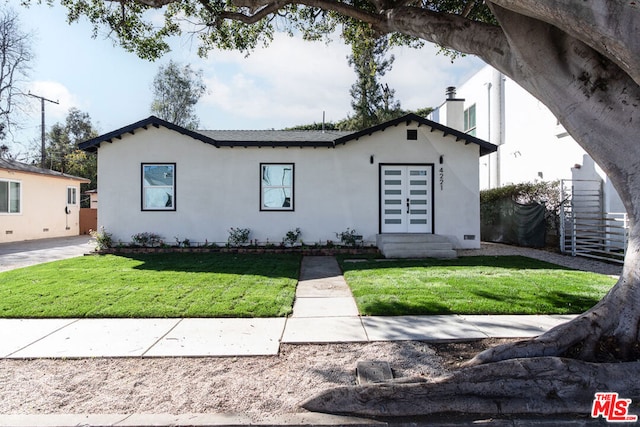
{"type": "Point", "coordinates": [498, 110]}
{"type": "Point", "coordinates": [533, 146]}
{"type": "Point", "coordinates": [37, 203]}
{"type": "Point", "coordinates": [406, 176]}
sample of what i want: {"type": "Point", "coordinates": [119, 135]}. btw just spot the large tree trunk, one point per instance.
{"type": "Point", "coordinates": [532, 386]}
{"type": "Point", "coordinates": [558, 372]}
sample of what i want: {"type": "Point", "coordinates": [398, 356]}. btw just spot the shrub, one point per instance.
{"type": "Point", "coordinates": [104, 240]}
{"type": "Point", "coordinates": [147, 240]}
{"type": "Point", "coordinates": [349, 237]}
{"type": "Point", "coordinates": [292, 237]}
{"type": "Point", "coordinates": [238, 236]}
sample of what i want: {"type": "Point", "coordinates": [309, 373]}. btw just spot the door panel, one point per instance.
{"type": "Point", "coordinates": [406, 198]}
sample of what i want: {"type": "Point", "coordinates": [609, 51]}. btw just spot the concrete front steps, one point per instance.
{"type": "Point", "coordinates": [399, 245]}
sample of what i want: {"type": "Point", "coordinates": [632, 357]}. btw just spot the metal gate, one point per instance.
{"type": "Point", "coordinates": [585, 228]}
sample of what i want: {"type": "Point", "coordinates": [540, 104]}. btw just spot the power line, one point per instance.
{"type": "Point", "coordinates": [42, 100]}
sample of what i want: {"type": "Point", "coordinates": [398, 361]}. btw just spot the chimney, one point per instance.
{"type": "Point", "coordinates": [451, 92]}
{"type": "Point", "coordinates": [454, 110]}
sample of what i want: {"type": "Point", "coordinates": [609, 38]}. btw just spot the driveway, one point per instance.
{"type": "Point", "coordinates": [22, 254]}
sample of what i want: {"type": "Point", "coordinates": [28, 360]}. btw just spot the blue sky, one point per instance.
{"type": "Point", "coordinates": [290, 82]}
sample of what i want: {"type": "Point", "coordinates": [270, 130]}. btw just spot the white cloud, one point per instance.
{"type": "Point", "coordinates": [421, 76]}
{"type": "Point", "coordinates": [53, 91]}
{"type": "Point", "coordinates": [294, 81]}
{"type": "Point", "coordinates": [291, 81]}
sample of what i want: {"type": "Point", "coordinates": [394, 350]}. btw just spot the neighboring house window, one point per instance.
{"type": "Point", "coordinates": [470, 120]}
{"type": "Point", "coordinates": [71, 195]}
{"type": "Point", "coordinates": [10, 197]}
{"type": "Point", "coordinates": [158, 187]}
{"type": "Point", "coordinates": [276, 187]}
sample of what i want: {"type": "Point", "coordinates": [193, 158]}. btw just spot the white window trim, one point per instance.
{"type": "Point", "coordinates": [9, 181]}
{"type": "Point", "coordinates": [72, 191]}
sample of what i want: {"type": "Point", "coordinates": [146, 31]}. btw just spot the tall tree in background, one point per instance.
{"type": "Point", "coordinates": [582, 60]}
{"type": "Point", "coordinates": [62, 147]}
{"type": "Point", "coordinates": [15, 56]}
{"type": "Point", "coordinates": [176, 91]}
{"type": "Point", "coordinates": [372, 102]}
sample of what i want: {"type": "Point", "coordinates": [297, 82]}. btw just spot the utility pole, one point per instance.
{"type": "Point", "coordinates": [42, 100]}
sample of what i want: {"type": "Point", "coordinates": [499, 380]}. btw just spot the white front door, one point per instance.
{"type": "Point", "coordinates": [406, 198]}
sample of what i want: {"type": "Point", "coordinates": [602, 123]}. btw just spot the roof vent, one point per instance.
{"type": "Point", "coordinates": [451, 92]}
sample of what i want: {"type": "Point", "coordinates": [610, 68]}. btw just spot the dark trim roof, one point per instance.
{"type": "Point", "coordinates": [485, 147]}
{"type": "Point", "coordinates": [23, 167]}
{"type": "Point", "coordinates": [314, 139]}
{"type": "Point", "coordinates": [93, 144]}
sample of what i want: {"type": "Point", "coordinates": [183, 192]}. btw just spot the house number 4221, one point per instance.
{"type": "Point", "coordinates": [441, 178]}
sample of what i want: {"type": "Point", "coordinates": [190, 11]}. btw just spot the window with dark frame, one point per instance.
{"type": "Point", "coordinates": [158, 187]}
{"type": "Point", "coordinates": [412, 134]}
{"type": "Point", "coordinates": [276, 186]}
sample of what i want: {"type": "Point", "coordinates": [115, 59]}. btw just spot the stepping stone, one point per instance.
{"type": "Point", "coordinates": [373, 371]}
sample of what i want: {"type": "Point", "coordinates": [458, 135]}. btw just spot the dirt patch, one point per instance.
{"type": "Point", "coordinates": [454, 353]}
{"type": "Point", "coordinates": [256, 386]}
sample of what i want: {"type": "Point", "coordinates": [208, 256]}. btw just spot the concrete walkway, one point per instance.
{"type": "Point", "coordinates": [324, 312]}
{"type": "Point", "coordinates": [31, 252]}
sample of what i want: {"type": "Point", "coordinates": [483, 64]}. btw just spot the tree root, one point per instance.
{"type": "Point", "coordinates": [533, 386]}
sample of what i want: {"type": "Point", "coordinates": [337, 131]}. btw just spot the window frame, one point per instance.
{"type": "Point", "coordinates": [291, 206]}
{"type": "Point", "coordinates": [468, 129]}
{"type": "Point", "coordinates": [19, 184]}
{"type": "Point", "coordinates": [143, 187]}
{"type": "Point", "coordinates": [72, 191]}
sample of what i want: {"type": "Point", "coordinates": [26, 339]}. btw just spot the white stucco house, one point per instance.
{"type": "Point", "coordinates": [37, 203]}
{"type": "Point", "coordinates": [407, 177]}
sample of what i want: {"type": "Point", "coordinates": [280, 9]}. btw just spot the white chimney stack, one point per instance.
{"type": "Point", "coordinates": [454, 110]}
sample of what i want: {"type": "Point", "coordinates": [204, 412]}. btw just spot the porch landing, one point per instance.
{"type": "Point", "coordinates": [414, 245]}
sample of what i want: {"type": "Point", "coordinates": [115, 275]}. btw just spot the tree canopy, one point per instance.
{"type": "Point", "coordinates": [62, 142]}
{"type": "Point", "coordinates": [176, 91]}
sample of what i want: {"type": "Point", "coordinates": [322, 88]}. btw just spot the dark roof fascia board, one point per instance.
{"type": "Point", "coordinates": [485, 147]}
{"type": "Point", "coordinates": [93, 144]}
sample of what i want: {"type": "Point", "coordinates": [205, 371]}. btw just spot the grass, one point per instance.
{"type": "Point", "coordinates": [153, 285]}
{"type": "Point", "coordinates": [472, 285]}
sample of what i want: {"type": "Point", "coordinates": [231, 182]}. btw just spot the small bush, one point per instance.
{"type": "Point", "coordinates": [104, 240]}
{"type": "Point", "coordinates": [147, 240]}
{"type": "Point", "coordinates": [292, 237]}
{"type": "Point", "coordinates": [238, 236]}
{"type": "Point", "coordinates": [349, 237]}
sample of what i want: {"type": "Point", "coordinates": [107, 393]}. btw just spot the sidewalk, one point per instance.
{"type": "Point", "coordinates": [324, 312]}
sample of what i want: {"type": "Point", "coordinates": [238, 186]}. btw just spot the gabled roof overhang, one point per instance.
{"type": "Point", "coordinates": [326, 141]}
{"type": "Point", "coordinates": [485, 147]}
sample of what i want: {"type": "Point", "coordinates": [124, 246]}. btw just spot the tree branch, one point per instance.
{"type": "Point", "coordinates": [483, 40]}
{"type": "Point", "coordinates": [263, 9]}
{"type": "Point", "coordinates": [610, 28]}
{"type": "Point", "coordinates": [255, 16]}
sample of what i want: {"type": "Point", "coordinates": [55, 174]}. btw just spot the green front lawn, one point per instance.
{"type": "Point", "coordinates": [472, 285]}
{"type": "Point", "coordinates": [153, 285]}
